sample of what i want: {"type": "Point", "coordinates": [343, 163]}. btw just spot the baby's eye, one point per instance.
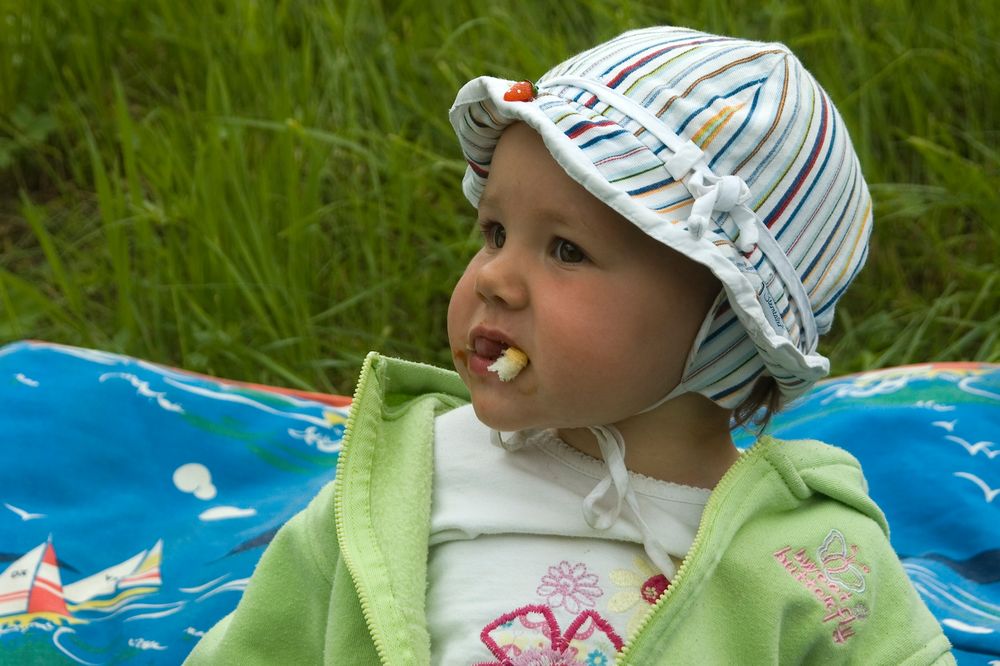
{"type": "Point", "coordinates": [494, 234]}
{"type": "Point", "coordinates": [569, 253]}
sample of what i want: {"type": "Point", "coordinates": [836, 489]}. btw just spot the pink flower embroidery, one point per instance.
{"type": "Point", "coordinates": [552, 648]}
{"type": "Point", "coordinates": [570, 586]}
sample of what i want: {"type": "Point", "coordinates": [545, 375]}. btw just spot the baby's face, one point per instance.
{"type": "Point", "coordinates": [605, 314]}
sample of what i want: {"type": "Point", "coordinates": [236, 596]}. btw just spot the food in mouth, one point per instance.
{"type": "Point", "coordinates": [509, 364]}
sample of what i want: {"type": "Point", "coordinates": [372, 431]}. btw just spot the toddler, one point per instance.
{"type": "Point", "coordinates": [668, 221]}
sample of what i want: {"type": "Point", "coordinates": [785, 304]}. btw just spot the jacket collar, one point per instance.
{"type": "Point", "coordinates": [382, 497]}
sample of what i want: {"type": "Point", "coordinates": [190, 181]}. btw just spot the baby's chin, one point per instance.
{"type": "Point", "coordinates": [504, 420]}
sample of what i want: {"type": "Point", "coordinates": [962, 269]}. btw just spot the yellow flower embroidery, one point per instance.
{"type": "Point", "coordinates": [639, 590]}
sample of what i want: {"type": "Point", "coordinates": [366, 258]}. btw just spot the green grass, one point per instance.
{"type": "Point", "coordinates": [267, 190]}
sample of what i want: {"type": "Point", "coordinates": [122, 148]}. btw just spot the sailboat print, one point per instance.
{"type": "Point", "coordinates": [108, 589]}
{"type": "Point", "coordinates": [31, 587]}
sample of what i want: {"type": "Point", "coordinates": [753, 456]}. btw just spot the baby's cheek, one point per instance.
{"type": "Point", "coordinates": [619, 374]}
{"type": "Point", "coordinates": [459, 310]}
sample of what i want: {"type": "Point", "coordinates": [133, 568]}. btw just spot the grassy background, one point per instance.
{"type": "Point", "coordinates": [266, 190]}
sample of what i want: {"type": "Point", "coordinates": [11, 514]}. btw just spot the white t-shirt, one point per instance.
{"type": "Point", "coordinates": [516, 572]}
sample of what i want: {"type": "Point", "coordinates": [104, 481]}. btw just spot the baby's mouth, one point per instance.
{"type": "Point", "coordinates": [488, 348]}
{"type": "Point", "coordinates": [495, 355]}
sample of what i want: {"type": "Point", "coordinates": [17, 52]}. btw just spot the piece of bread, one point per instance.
{"type": "Point", "coordinates": [509, 364]}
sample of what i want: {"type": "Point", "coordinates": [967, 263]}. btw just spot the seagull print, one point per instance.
{"type": "Point", "coordinates": [27, 381]}
{"type": "Point", "coordinates": [973, 449]}
{"type": "Point", "coordinates": [988, 493]}
{"type": "Point", "coordinates": [24, 514]}
{"type": "Point", "coordinates": [947, 425]}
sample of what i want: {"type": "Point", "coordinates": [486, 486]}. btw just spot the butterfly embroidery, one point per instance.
{"type": "Point", "coordinates": [842, 566]}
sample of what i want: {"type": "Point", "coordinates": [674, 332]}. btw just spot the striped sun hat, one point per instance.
{"type": "Point", "coordinates": [725, 150]}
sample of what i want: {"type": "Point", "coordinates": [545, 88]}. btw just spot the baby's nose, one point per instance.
{"type": "Point", "coordinates": [502, 281]}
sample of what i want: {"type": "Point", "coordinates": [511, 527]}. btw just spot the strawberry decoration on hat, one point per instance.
{"type": "Point", "coordinates": [522, 91]}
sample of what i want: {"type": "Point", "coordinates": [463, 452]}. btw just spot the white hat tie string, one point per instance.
{"type": "Point", "coordinates": [603, 505]}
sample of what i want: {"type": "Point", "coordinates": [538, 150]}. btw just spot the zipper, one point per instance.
{"type": "Point", "coordinates": [693, 552]}
{"type": "Point", "coordinates": [338, 509]}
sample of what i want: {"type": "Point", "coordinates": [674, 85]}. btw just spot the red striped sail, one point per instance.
{"type": "Point", "coordinates": [46, 595]}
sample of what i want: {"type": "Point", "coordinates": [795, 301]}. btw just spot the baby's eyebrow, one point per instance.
{"type": "Point", "coordinates": [491, 203]}
{"type": "Point", "coordinates": [572, 220]}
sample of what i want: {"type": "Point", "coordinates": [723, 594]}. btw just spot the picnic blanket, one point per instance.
{"type": "Point", "coordinates": [135, 499]}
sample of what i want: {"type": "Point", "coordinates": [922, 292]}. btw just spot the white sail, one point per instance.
{"type": "Point", "coordinates": [15, 581]}
{"type": "Point", "coordinates": [148, 571]}
{"type": "Point", "coordinates": [32, 585]}
{"type": "Point", "coordinates": [140, 569]}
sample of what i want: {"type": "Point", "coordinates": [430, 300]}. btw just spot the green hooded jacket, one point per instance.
{"type": "Point", "coordinates": [791, 562]}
